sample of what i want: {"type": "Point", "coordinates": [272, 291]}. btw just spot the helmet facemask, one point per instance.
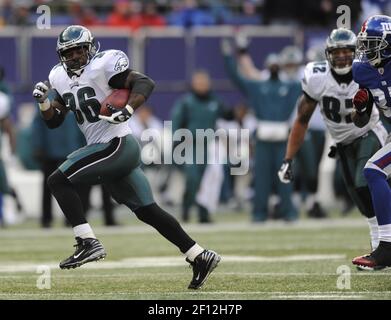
{"type": "Point", "coordinates": [340, 50]}
{"type": "Point", "coordinates": [75, 48]}
{"type": "Point", "coordinates": [340, 59]}
{"type": "Point", "coordinates": [372, 49]}
{"type": "Point", "coordinates": [72, 63]}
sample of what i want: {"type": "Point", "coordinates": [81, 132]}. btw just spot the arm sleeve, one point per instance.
{"type": "Point", "coordinates": [55, 96]}
{"type": "Point", "coordinates": [56, 120]}
{"type": "Point", "coordinates": [140, 83]}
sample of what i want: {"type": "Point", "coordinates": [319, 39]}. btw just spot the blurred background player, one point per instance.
{"type": "Point", "coordinates": [146, 122]}
{"type": "Point", "coordinates": [236, 189]}
{"type": "Point", "coordinates": [198, 109]}
{"type": "Point", "coordinates": [310, 153]}
{"type": "Point", "coordinates": [107, 207]}
{"type": "Point", "coordinates": [330, 84]}
{"type": "Point", "coordinates": [330, 177]}
{"type": "Point", "coordinates": [273, 101]}
{"type": "Point", "coordinates": [7, 127]}
{"type": "Point", "coordinates": [373, 74]}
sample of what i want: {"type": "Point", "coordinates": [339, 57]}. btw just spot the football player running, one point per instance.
{"type": "Point", "coordinates": [373, 74]}
{"type": "Point", "coordinates": [330, 84]}
{"type": "Point", "coordinates": [84, 78]}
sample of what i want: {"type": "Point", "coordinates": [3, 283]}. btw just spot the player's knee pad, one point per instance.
{"type": "Point", "coordinates": [366, 202]}
{"type": "Point", "coordinates": [56, 180]}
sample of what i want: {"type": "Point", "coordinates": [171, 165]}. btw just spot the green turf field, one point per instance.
{"type": "Point", "coordinates": [272, 261]}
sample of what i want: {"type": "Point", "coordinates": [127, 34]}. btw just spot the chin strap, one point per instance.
{"type": "Point", "coordinates": [342, 71]}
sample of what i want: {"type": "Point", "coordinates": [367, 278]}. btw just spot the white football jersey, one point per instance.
{"type": "Point", "coordinates": [335, 102]}
{"type": "Point", "coordinates": [84, 94]}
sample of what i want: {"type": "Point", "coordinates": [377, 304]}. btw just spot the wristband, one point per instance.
{"type": "Point", "coordinates": [130, 109]}
{"type": "Point", "coordinates": [361, 111]}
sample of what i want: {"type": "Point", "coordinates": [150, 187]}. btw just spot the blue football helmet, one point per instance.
{"type": "Point", "coordinates": [374, 40]}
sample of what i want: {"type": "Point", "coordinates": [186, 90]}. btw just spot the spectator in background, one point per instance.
{"type": "Point", "coordinates": [221, 13]}
{"type": "Point", "coordinates": [50, 148]}
{"type": "Point", "coordinates": [82, 14]}
{"type": "Point", "coordinates": [6, 12]}
{"type": "Point", "coordinates": [124, 15]}
{"type": "Point", "coordinates": [308, 12]}
{"type": "Point", "coordinates": [188, 14]}
{"type": "Point", "coordinates": [324, 12]}
{"type": "Point", "coordinates": [247, 15]}
{"type": "Point", "coordinates": [282, 12]}
{"type": "Point", "coordinates": [21, 13]}
{"type": "Point", "coordinates": [149, 17]}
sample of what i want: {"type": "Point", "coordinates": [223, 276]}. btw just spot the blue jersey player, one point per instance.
{"type": "Point", "coordinates": [373, 74]}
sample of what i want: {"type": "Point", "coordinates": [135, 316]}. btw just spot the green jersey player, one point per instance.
{"type": "Point", "coordinates": [81, 81]}
{"type": "Point", "coordinates": [330, 85]}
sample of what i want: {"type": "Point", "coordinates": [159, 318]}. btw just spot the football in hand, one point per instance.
{"type": "Point", "coordinates": [118, 99]}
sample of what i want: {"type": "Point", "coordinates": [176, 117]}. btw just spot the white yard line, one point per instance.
{"type": "Point", "coordinates": [216, 274]}
{"type": "Point", "coordinates": [151, 262]}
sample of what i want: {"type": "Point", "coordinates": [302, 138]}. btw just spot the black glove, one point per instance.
{"type": "Point", "coordinates": [118, 116]}
{"type": "Point", "coordinates": [332, 152]}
